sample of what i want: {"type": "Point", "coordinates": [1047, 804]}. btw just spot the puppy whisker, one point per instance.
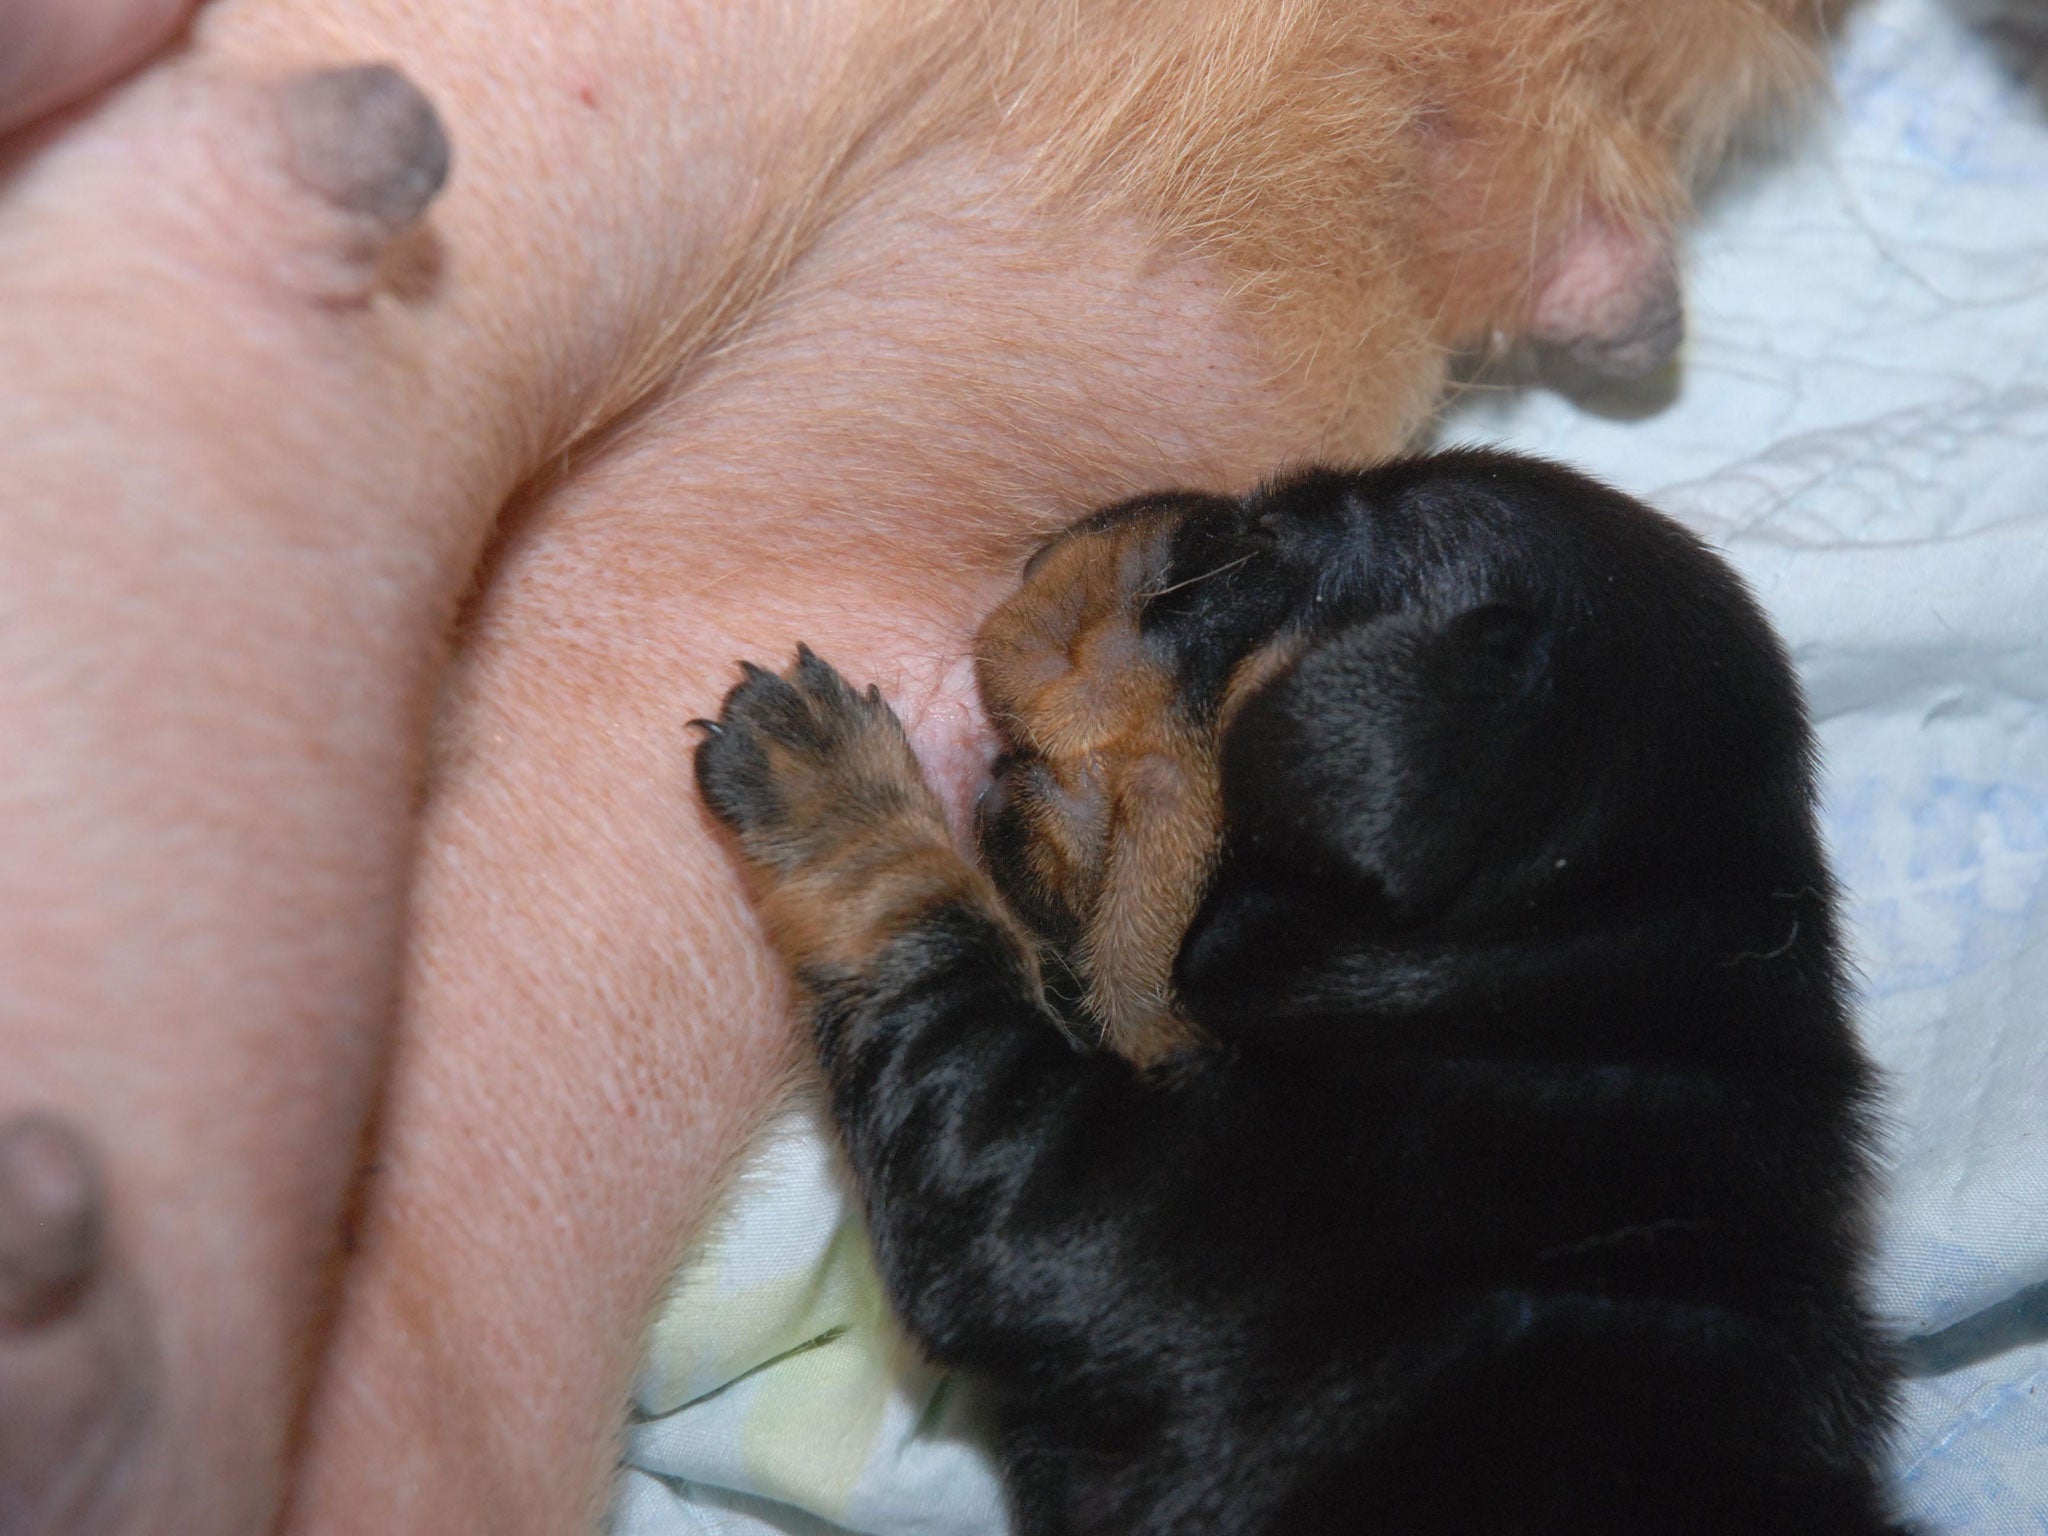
{"type": "Point", "coordinates": [1147, 595]}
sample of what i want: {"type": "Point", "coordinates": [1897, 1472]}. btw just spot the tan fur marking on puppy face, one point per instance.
{"type": "Point", "coordinates": [1116, 786]}
{"type": "Point", "coordinates": [1116, 783]}
{"type": "Point", "coordinates": [1252, 674]}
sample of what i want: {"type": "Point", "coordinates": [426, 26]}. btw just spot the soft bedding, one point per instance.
{"type": "Point", "coordinates": [1861, 422]}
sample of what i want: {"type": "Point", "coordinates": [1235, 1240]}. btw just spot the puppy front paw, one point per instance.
{"type": "Point", "coordinates": [846, 842]}
{"type": "Point", "coordinates": [799, 764]}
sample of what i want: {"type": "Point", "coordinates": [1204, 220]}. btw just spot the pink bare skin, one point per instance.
{"type": "Point", "coordinates": [270, 842]}
{"type": "Point", "coordinates": [1609, 305]}
{"type": "Point", "coordinates": [54, 51]}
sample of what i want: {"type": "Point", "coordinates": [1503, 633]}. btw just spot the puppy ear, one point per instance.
{"type": "Point", "coordinates": [1392, 757]}
{"type": "Point", "coordinates": [1390, 781]}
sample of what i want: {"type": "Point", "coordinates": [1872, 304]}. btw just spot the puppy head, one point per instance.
{"type": "Point", "coordinates": [1428, 704]}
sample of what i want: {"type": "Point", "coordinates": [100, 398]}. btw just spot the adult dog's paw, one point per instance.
{"type": "Point", "coordinates": [804, 768]}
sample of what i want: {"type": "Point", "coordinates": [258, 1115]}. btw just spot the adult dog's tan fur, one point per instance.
{"type": "Point", "coordinates": [1383, 182]}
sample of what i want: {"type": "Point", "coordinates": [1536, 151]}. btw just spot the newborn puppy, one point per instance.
{"type": "Point", "coordinates": [1395, 1073]}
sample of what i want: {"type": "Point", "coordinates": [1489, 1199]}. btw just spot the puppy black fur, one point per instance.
{"type": "Point", "coordinates": [1519, 1184]}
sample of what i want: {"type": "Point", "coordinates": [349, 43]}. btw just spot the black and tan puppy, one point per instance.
{"type": "Point", "coordinates": [1395, 1076]}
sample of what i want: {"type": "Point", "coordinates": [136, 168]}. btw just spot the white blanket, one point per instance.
{"type": "Point", "coordinates": [1861, 421]}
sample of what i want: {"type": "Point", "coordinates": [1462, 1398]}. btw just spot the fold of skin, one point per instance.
{"type": "Point", "coordinates": [54, 51]}
{"type": "Point", "coordinates": [761, 335]}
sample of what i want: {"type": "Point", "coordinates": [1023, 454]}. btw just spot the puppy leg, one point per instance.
{"type": "Point", "coordinates": [971, 1120]}
{"type": "Point", "coordinates": [845, 840]}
